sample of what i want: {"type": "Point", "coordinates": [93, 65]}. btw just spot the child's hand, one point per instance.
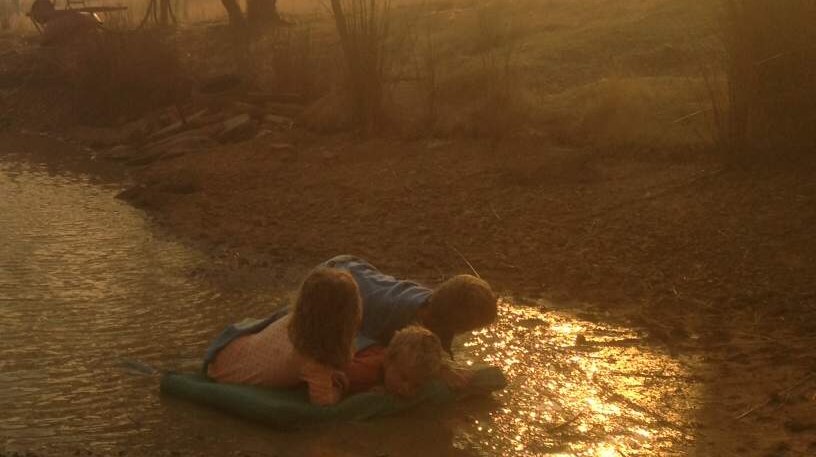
{"type": "Point", "coordinates": [340, 381]}
{"type": "Point", "coordinates": [378, 390]}
{"type": "Point", "coordinates": [455, 378]}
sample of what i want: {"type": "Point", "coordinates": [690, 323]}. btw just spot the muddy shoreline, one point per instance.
{"type": "Point", "coordinates": [701, 256]}
{"type": "Point", "coordinates": [561, 227]}
{"type": "Point", "coordinates": [225, 217]}
{"type": "Point", "coordinates": [117, 290]}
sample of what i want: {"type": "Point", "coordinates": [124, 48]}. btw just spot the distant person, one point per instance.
{"type": "Point", "coordinates": [312, 344]}
{"type": "Point", "coordinates": [461, 304]}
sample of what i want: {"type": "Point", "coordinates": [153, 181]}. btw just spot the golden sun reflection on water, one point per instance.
{"type": "Point", "coordinates": [578, 388]}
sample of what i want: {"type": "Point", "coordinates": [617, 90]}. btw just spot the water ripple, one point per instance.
{"type": "Point", "coordinates": [85, 283]}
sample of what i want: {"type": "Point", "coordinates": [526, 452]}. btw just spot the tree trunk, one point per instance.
{"type": "Point", "coordinates": [260, 12]}
{"type": "Point", "coordinates": [181, 9]}
{"type": "Point", "coordinates": [236, 17]}
{"type": "Point", "coordinates": [164, 12]}
{"type": "Point", "coordinates": [5, 16]}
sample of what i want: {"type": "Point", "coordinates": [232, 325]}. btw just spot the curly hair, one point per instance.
{"type": "Point", "coordinates": [326, 317]}
{"type": "Point", "coordinates": [462, 303]}
{"type": "Point", "coordinates": [417, 349]}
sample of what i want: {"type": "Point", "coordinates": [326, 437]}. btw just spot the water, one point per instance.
{"type": "Point", "coordinates": [86, 282]}
{"type": "Point", "coordinates": [83, 285]}
{"type": "Point", "coordinates": [579, 388]}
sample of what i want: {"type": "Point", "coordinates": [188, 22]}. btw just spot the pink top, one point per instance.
{"type": "Point", "coordinates": [366, 369]}
{"type": "Point", "coordinates": [268, 359]}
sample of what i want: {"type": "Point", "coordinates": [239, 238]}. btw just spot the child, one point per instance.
{"type": "Point", "coordinates": [312, 344]}
{"type": "Point", "coordinates": [413, 358]}
{"type": "Point", "coordinates": [460, 304]}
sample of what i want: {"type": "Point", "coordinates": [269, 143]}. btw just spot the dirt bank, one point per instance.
{"type": "Point", "coordinates": [705, 258]}
{"type": "Point", "coordinates": [665, 233]}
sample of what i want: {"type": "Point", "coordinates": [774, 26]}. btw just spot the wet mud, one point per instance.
{"type": "Point", "coordinates": [87, 282]}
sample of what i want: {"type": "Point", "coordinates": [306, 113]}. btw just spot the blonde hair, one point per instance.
{"type": "Point", "coordinates": [326, 317]}
{"type": "Point", "coordinates": [417, 350]}
{"type": "Point", "coordinates": [462, 303]}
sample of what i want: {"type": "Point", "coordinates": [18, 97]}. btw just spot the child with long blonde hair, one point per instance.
{"type": "Point", "coordinates": [312, 344]}
{"type": "Point", "coordinates": [413, 357]}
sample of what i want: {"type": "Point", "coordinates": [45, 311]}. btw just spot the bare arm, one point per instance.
{"type": "Point", "coordinates": [326, 386]}
{"type": "Point", "coordinates": [455, 377]}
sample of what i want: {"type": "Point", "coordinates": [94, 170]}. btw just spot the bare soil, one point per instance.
{"type": "Point", "coordinates": [707, 256]}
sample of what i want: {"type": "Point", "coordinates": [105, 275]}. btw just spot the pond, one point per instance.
{"type": "Point", "coordinates": [87, 283]}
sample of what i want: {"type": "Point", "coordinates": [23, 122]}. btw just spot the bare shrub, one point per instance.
{"type": "Point", "coordinates": [120, 75]}
{"type": "Point", "coordinates": [120, 21]}
{"type": "Point", "coordinates": [363, 26]}
{"type": "Point", "coordinates": [499, 108]}
{"type": "Point", "coordinates": [262, 12]}
{"type": "Point", "coordinates": [767, 101]}
{"type": "Point", "coordinates": [236, 16]}
{"type": "Point", "coordinates": [295, 62]}
{"type": "Point", "coordinates": [430, 66]}
{"type": "Point", "coordinates": [5, 16]}
{"type": "Point", "coordinates": [329, 114]}
{"type": "Point", "coordinates": [632, 112]}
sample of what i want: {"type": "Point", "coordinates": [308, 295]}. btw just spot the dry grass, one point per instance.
{"type": "Point", "coordinates": [363, 27]}
{"type": "Point", "coordinates": [286, 61]}
{"type": "Point", "coordinates": [294, 64]}
{"type": "Point", "coordinates": [555, 69]}
{"type": "Point", "coordinates": [765, 104]}
{"type": "Point", "coordinates": [598, 73]}
{"type": "Point", "coordinates": [119, 75]}
{"type": "Point", "coordinates": [498, 110]}
{"type": "Point", "coordinates": [622, 111]}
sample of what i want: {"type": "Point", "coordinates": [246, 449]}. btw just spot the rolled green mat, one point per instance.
{"type": "Point", "coordinates": [286, 408]}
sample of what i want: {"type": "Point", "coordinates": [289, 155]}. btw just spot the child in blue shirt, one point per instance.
{"type": "Point", "coordinates": [458, 305]}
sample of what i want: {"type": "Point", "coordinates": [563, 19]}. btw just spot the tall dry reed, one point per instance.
{"type": "Point", "coordinates": [363, 26]}
{"type": "Point", "coordinates": [768, 102]}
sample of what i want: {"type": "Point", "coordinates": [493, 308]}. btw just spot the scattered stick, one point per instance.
{"type": "Point", "coordinates": [396, 178]}
{"type": "Point", "coordinates": [757, 336]}
{"type": "Point", "coordinates": [254, 452]}
{"type": "Point", "coordinates": [650, 375]}
{"type": "Point", "coordinates": [754, 408]}
{"type": "Point", "coordinates": [180, 112]}
{"type": "Point", "coordinates": [466, 261]}
{"type": "Point", "coordinates": [782, 393]}
{"type": "Point", "coordinates": [786, 393]}
{"type": "Point", "coordinates": [613, 395]}
{"type": "Point", "coordinates": [772, 58]}
{"type": "Point", "coordinates": [440, 273]}
{"type": "Point", "coordinates": [689, 116]}
{"type": "Point", "coordinates": [492, 209]}
{"type": "Point", "coordinates": [566, 423]}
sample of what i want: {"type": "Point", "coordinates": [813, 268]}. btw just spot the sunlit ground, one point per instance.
{"type": "Point", "coordinates": [578, 388]}
{"type": "Point", "coordinates": [87, 288]}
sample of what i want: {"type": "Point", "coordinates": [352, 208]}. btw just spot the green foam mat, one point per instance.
{"type": "Point", "coordinates": [288, 408]}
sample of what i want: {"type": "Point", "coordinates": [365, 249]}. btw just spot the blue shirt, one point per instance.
{"type": "Point", "coordinates": [389, 304]}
